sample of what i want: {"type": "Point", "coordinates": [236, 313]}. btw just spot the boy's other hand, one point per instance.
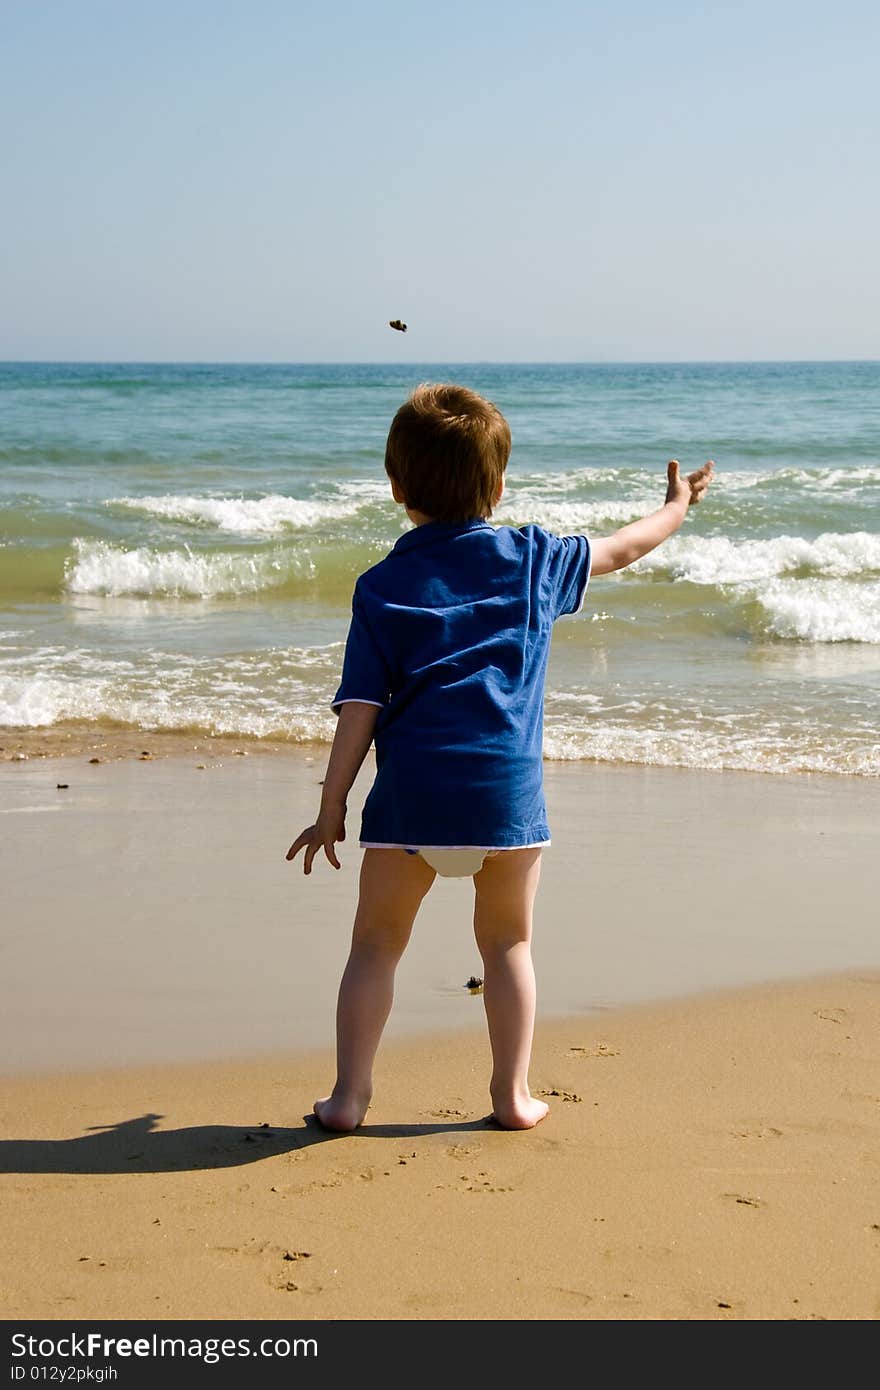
{"type": "Point", "coordinates": [691, 489]}
{"type": "Point", "coordinates": [327, 830]}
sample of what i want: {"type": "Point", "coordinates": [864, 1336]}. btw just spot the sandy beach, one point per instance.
{"type": "Point", "coordinates": [709, 1002]}
{"type": "Point", "coordinates": [716, 1159]}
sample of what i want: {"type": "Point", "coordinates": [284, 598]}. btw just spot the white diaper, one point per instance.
{"type": "Point", "coordinates": [461, 862]}
{"type": "Point", "coordinates": [455, 863]}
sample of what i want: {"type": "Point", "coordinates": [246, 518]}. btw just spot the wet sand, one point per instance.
{"type": "Point", "coordinates": [151, 916]}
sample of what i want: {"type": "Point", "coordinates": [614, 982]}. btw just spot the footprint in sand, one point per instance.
{"type": "Point", "coordinates": [447, 1113]}
{"type": "Point", "coordinates": [600, 1050]}
{"type": "Point", "coordinates": [481, 1183]}
{"type": "Point", "coordinates": [558, 1091]}
{"type": "Point", "coordinates": [743, 1201]}
{"type": "Point", "coordinates": [463, 1150]}
{"type": "Point", "coordinates": [580, 1294]}
{"type": "Point", "coordinates": [291, 1286]}
{"type": "Point", "coordinates": [860, 1096]}
{"type": "Point", "coordinates": [757, 1132]}
{"type": "Point", "coordinates": [832, 1015]}
{"type": "Point", "coordinates": [332, 1180]}
{"type": "Point", "coordinates": [258, 1247]}
{"type": "Point", "coordinates": [264, 1247]}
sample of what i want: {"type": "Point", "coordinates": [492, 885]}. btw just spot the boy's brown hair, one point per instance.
{"type": "Point", "coordinates": [447, 451]}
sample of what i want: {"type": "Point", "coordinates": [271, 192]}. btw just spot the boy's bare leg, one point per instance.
{"type": "Point", "coordinates": [392, 887]}
{"type": "Point", "coordinates": [505, 895]}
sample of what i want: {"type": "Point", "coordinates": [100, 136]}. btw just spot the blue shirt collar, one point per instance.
{"type": "Point", "coordinates": [437, 530]}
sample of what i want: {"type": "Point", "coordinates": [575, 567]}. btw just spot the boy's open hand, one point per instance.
{"type": "Point", "coordinates": [327, 830]}
{"type": "Point", "coordinates": [691, 489]}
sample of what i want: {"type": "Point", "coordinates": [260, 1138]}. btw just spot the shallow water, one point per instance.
{"type": "Point", "coordinates": [178, 546]}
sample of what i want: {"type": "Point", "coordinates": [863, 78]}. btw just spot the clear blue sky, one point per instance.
{"type": "Point", "coordinates": [273, 181]}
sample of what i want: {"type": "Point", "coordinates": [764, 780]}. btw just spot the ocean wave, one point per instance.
{"type": "Point", "coordinates": [566, 480]}
{"type": "Point", "coordinates": [819, 478]}
{"type": "Point", "coordinates": [813, 479]}
{"type": "Point", "coordinates": [816, 610]}
{"type": "Point", "coordinates": [542, 498]}
{"type": "Point", "coordinates": [267, 515]}
{"type": "Point", "coordinates": [718, 561]}
{"type": "Point", "coordinates": [282, 694]}
{"type": "Point", "coordinates": [717, 748]}
{"type": "Point", "coordinates": [101, 568]}
{"type": "Point", "coordinates": [824, 590]}
{"type": "Point", "coordinates": [568, 503]}
{"type": "Point", "coordinates": [567, 518]}
{"type": "Point", "coordinates": [186, 701]}
{"type": "Point", "coordinates": [40, 702]}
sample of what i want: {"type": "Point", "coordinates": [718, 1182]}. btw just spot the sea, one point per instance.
{"type": "Point", "coordinates": [179, 543]}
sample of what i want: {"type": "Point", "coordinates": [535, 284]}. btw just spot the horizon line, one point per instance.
{"type": "Point", "coordinates": [438, 361]}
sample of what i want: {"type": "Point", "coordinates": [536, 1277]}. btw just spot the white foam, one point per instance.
{"type": "Point", "coordinates": [566, 481]}
{"type": "Point", "coordinates": [719, 561]}
{"type": "Point", "coordinates": [568, 518]}
{"type": "Point", "coordinates": [284, 693]}
{"type": "Point", "coordinates": [646, 482]}
{"type": "Point", "coordinates": [98, 567]}
{"type": "Point", "coordinates": [816, 610]}
{"type": "Point", "coordinates": [248, 694]}
{"type": "Point", "coordinates": [719, 746]}
{"type": "Point", "coordinates": [35, 701]}
{"type": "Point", "coordinates": [531, 497]}
{"type": "Point", "coordinates": [825, 479]}
{"type": "Point", "coordinates": [39, 704]}
{"type": "Point", "coordinates": [267, 515]}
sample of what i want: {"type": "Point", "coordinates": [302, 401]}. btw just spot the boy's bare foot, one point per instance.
{"type": "Point", "coordinates": [520, 1114]}
{"type": "Point", "coordinates": [339, 1114]}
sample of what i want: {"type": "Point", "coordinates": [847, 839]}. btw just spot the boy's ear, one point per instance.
{"type": "Point", "coordinates": [396, 492]}
{"type": "Point", "coordinates": [500, 493]}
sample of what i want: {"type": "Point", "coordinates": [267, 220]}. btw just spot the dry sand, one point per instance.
{"type": "Point", "coordinates": [713, 1146]}
{"type": "Point", "coordinates": [713, 1159]}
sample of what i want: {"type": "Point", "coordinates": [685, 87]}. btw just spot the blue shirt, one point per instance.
{"type": "Point", "coordinates": [450, 635]}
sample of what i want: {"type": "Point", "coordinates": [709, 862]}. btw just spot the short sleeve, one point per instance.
{"type": "Point", "coordinates": [568, 573]}
{"type": "Point", "coordinates": [365, 676]}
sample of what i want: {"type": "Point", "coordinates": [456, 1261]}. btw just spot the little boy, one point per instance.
{"type": "Point", "coordinates": [444, 668]}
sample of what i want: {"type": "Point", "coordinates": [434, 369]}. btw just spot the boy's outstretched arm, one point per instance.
{"type": "Point", "coordinates": [354, 734]}
{"type": "Point", "coordinates": [632, 542]}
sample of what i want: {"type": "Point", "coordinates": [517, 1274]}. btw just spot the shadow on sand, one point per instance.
{"type": "Point", "coordinates": [137, 1146]}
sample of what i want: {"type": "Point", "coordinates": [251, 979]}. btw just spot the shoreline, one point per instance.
{"type": "Point", "coordinates": [718, 1159]}
{"type": "Point", "coordinates": [71, 740]}
{"type": "Point", "coordinates": [74, 740]}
